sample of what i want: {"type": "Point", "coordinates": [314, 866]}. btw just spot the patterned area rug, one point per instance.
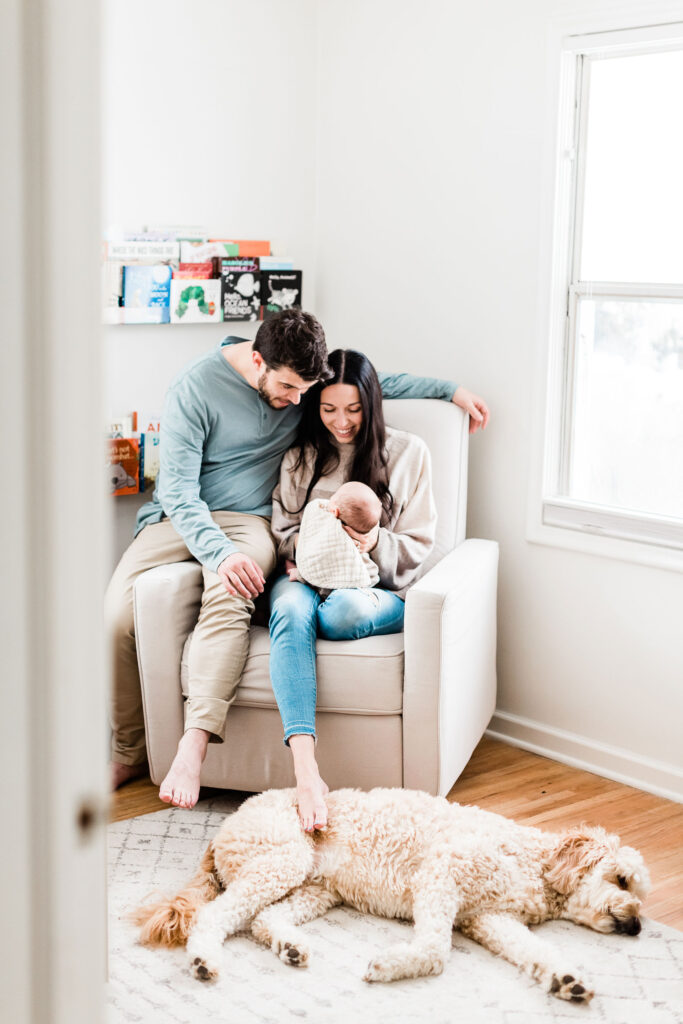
{"type": "Point", "coordinates": [637, 981]}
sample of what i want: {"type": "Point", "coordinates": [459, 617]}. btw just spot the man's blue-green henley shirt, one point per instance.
{"type": "Point", "coordinates": [221, 446]}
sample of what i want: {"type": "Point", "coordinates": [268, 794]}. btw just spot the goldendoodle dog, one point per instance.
{"type": "Point", "coordinates": [404, 854]}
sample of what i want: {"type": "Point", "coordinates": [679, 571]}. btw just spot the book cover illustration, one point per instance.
{"type": "Point", "coordinates": [240, 291]}
{"type": "Point", "coordinates": [195, 301]}
{"type": "Point", "coordinates": [123, 465]}
{"type": "Point", "coordinates": [280, 289]}
{"type": "Point", "coordinates": [147, 293]}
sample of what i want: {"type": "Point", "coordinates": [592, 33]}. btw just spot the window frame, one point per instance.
{"type": "Point", "coordinates": [554, 518]}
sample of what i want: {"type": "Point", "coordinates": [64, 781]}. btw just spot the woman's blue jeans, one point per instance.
{"type": "Point", "coordinates": [297, 616]}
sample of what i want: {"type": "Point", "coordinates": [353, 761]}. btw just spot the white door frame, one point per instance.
{"type": "Point", "coordinates": [53, 516]}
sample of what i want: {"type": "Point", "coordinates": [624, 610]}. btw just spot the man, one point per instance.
{"type": "Point", "coordinates": [229, 417]}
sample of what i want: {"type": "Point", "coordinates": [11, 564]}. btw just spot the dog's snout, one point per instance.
{"type": "Point", "coordinates": [628, 926]}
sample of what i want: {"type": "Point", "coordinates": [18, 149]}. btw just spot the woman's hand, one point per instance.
{"type": "Point", "coordinates": [364, 541]}
{"type": "Point", "coordinates": [474, 405]}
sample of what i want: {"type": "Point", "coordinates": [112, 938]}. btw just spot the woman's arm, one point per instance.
{"type": "Point", "coordinates": [288, 495]}
{"type": "Point", "coordinates": [401, 551]}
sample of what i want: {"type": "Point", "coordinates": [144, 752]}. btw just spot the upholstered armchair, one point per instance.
{"type": "Point", "coordinates": [401, 710]}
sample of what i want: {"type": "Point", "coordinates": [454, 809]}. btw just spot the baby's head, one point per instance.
{"type": "Point", "coordinates": [356, 506]}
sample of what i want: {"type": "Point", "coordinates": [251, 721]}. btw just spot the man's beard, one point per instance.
{"type": "Point", "coordinates": [263, 392]}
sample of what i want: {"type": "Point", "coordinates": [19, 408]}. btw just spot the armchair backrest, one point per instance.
{"type": "Point", "coordinates": [444, 429]}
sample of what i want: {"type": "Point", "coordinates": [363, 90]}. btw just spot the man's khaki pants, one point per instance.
{"type": "Point", "coordinates": [220, 642]}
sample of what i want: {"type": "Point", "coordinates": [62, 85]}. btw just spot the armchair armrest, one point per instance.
{"type": "Point", "coordinates": [166, 602]}
{"type": "Point", "coordinates": [450, 665]}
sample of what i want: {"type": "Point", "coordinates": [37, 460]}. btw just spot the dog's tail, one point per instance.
{"type": "Point", "coordinates": [167, 922]}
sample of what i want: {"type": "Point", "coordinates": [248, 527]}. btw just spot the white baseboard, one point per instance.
{"type": "Point", "coordinates": [614, 763]}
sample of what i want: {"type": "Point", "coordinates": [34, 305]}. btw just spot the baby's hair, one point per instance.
{"type": "Point", "coordinates": [360, 510]}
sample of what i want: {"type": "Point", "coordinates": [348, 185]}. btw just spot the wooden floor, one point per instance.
{"type": "Point", "coordinates": [536, 791]}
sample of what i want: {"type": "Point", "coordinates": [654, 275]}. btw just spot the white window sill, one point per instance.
{"type": "Point", "coordinates": [594, 531]}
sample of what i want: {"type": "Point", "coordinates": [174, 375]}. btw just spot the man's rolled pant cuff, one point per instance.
{"type": "Point", "coordinates": [131, 758]}
{"type": "Point", "coordinates": [208, 713]}
{"type": "Point", "coordinates": [300, 730]}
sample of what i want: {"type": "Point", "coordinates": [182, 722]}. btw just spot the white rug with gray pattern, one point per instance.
{"type": "Point", "coordinates": [637, 981]}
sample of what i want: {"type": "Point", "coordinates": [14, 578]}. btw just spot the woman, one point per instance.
{"type": "Point", "coordinates": [343, 437]}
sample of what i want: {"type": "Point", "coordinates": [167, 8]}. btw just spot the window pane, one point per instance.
{"type": "Point", "coordinates": [633, 205]}
{"type": "Point", "coordinates": [627, 449]}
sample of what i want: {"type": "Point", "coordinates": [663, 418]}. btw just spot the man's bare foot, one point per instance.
{"type": "Point", "coordinates": [181, 785]}
{"type": "Point", "coordinates": [310, 799]}
{"type": "Point", "coordinates": [123, 773]}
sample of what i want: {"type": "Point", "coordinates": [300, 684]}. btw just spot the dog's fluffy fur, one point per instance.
{"type": "Point", "coordinates": [405, 854]}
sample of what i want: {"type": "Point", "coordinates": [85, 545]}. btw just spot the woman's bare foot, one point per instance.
{"type": "Point", "coordinates": [310, 788]}
{"type": "Point", "coordinates": [123, 773]}
{"type": "Point", "coordinates": [181, 785]}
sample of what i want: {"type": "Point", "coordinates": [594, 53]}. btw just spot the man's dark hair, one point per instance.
{"type": "Point", "coordinates": [296, 340]}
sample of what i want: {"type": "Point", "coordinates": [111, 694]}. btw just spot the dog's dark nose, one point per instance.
{"type": "Point", "coordinates": [631, 926]}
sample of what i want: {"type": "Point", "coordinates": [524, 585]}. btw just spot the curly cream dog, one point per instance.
{"type": "Point", "coordinates": [405, 854]}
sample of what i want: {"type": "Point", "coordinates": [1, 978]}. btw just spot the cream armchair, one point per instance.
{"type": "Point", "coordinates": [402, 710]}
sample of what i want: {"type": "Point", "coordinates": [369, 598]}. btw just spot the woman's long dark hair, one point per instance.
{"type": "Point", "coordinates": [370, 461]}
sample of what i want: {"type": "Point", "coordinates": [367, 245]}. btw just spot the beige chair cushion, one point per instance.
{"type": "Point", "coordinates": [355, 677]}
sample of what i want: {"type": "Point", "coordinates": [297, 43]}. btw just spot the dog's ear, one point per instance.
{"type": "Point", "coordinates": [577, 852]}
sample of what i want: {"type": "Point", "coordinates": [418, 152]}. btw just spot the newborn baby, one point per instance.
{"type": "Point", "coordinates": [326, 557]}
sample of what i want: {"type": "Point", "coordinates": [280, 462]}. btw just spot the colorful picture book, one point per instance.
{"type": "Point", "coordinates": [155, 274]}
{"type": "Point", "coordinates": [132, 455]}
{"type": "Point", "coordinates": [280, 289]}
{"type": "Point", "coordinates": [195, 301]}
{"type": "Point", "coordinates": [240, 288]}
{"type": "Point", "coordinates": [123, 465]}
{"type": "Point", "coordinates": [146, 293]}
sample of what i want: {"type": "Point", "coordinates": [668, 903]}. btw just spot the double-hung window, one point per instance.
{"type": "Point", "coordinates": [614, 440]}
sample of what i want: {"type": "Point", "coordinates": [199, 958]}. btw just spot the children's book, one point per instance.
{"type": "Point", "coordinates": [123, 465]}
{"type": "Point", "coordinates": [195, 301]}
{"type": "Point", "coordinates": [204, 270]}
{"type": "Point", "coordinates": [146, 422]}
{"type": "Point", "coordinates": [240, 295]}
{"type": "Point", "coordinates": [280, 289]}
{"type": "Point", "coordinates": [252, 248]}
{"type": "Point", "coordinates": [149, 459]}
{"type": "Point", "coordinates": [146, 293]}
{"type": "Point", "coordinates": [202, 252]}
{"type": "Point", "coordinates": [151, 252]}
{"type": "Point", "coordinates": [276, 263]}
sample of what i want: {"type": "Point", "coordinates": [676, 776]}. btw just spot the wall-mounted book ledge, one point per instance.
{"type": "Point", "coordinates": [176, 276]}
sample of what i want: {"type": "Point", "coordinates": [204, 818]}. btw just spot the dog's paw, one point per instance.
{"type": "Point", "coordinates": [377, 971]}
{"type": "Point", "coordinates": [294, 955]}
{"type": "Point", "coordinates": [569, 987]}
{"type": "Point", "coordinates": [203, 970]}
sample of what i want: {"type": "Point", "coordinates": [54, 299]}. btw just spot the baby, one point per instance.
{"type": "Point", "coordinates": [326, 556]}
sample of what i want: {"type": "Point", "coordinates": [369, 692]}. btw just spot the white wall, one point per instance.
{"type": "Point", "coordinates": [431, 145]}
{"type": "Point", "coordinates": [209, 112]}
{"type": "Point", "coordinates": [421, 130]}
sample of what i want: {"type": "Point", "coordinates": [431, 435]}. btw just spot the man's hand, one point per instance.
{"type": "Point", "coordinates": [474, 405]}
{"type": "Point", "coordinates": [241, 575]}
{"type": "Point", "coordinates": [364, 541]}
